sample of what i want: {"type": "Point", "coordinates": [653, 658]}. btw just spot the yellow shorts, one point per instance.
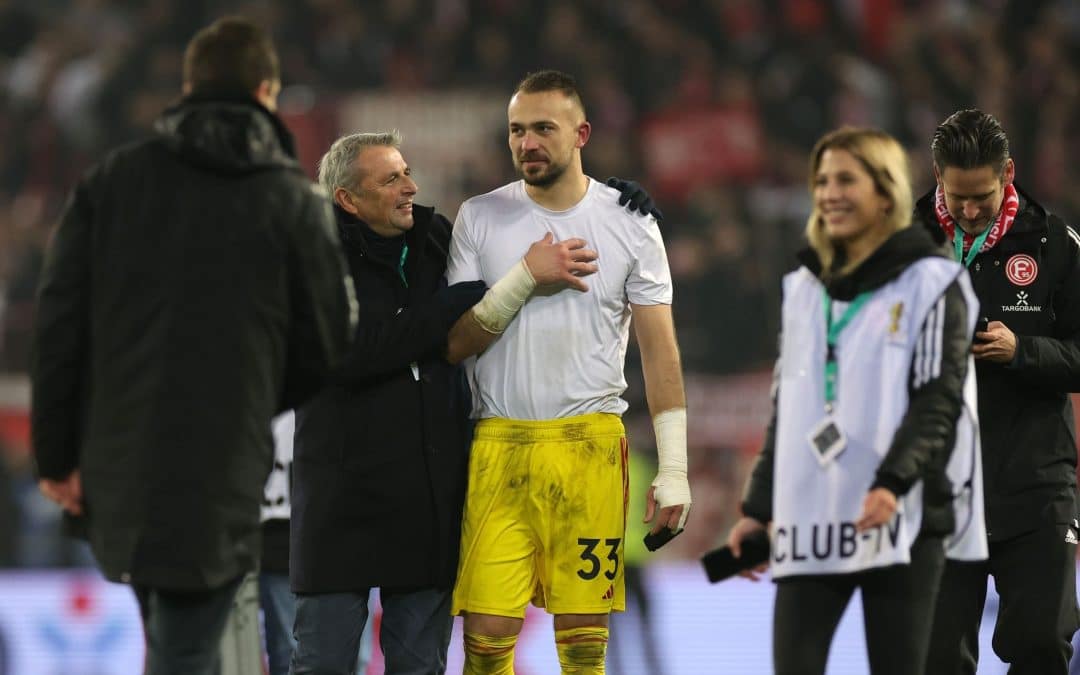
{"type": "Point", "coordinates": [545, 517]}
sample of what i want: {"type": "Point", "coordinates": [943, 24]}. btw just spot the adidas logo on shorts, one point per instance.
{"type": "Point", "coordinates": [611, 589]}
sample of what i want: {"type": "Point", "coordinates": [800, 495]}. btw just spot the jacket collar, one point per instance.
{"type": "Point", "coordinates": [228, 132]}
{"type": "Point", "coordinates": [348, 225]}
{"type": "Point", "coordinates": [885, 264]}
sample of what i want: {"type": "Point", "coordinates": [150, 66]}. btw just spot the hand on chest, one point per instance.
{"type": "Point", "coordinates": [503, 246]}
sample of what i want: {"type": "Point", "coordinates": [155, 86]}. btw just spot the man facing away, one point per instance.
{"type": "Point", "coordinates": [1025, 267]}
{"type": "Point", "coordinates": [194, 288]}
{"type": "Point", "coordinates": [546, 504]}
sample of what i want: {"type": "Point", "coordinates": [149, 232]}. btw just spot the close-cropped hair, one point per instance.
{"type": "Point", "coordinates": [969, 139]}
{"type": "Point", "coordinates": [885, 160]}
{"type": "Point", "coordinates": [551, 80]}
{"type": "Point", "coordinates": [233, 54]}
{"type": "Point", "coordinates": [337, 168]}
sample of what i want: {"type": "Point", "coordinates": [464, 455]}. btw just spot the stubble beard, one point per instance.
{"type": "Point", "coordinates": [544, 179]}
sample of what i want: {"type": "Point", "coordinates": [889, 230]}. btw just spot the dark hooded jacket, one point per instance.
{"type": "Point", "coordinates": [923, 443]}
{"type": "Point", "coordinates": [195, 286]}
{"type": "Point", "coordinates": [1025, 415]}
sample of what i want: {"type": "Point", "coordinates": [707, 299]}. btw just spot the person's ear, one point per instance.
{"type": "Point", "coordinates": [584, 131]}
{"type": "Point", "coordinates": [267, 93]}
{"type": "Point", "coordinates": [344, 199]}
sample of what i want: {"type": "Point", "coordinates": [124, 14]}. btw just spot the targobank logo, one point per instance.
{"type": "Point", "coordinates": [1022, 304]}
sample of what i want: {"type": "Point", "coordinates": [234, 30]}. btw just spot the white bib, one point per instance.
{"type": "Point", "coordinates": [815, 504]}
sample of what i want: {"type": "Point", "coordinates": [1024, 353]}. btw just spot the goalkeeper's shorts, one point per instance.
{"type": "Point", "coordinates": [545, 517]}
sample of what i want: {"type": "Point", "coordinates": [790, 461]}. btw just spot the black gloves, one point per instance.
{"type": "Point", "coordinates": [635, 197]}
{"type": "Point", "coordinates": [455, 300]}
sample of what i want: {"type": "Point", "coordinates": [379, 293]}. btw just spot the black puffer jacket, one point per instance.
{"type": "Point", "coordinates": [1030, 281]}
{"type": "Point", "coordinates": [924, 441]}
{"type": "Point", "coordinates": [194, 288]}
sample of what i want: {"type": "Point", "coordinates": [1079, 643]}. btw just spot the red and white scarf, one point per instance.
{"type": "Point", "coordinates": [1009, 206]}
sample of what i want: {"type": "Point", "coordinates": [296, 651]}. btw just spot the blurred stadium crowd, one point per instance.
{"type": "Point", "coordinates": [712, 104]}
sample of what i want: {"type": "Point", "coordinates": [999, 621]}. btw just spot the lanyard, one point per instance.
{"type": "Point", "coordinates": [401, 264]}
{"type": "Point", "coordinates": [958, 242]}
{"type": "Point", "coordinates": [414, 367]}
{"type": "Point", "coordinates": [832, 334]}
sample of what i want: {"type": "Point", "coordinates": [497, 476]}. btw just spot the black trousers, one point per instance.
{"type": "Point", "coordinates": [1035, 577]}
{"type": "Point", "coordinates": [184, 628]}
{"type": "Point", "coordinates": [898, 604]}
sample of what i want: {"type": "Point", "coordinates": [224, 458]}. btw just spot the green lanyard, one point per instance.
{"type": "Point", "coordinates": [832, 332]}
{"type": "Point", "coordinates": [401, 265]}
{"type": "Point", "coordinates": [958, 242]}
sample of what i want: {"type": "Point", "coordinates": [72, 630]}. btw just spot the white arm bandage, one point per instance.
{"type": "Point", "coordinates": [503, 300]}
{"type": "Point", "coordinates": [672, 486]}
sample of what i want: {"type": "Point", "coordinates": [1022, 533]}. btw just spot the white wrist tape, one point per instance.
{"type": "Point", "coordinates": [672, 486]}
{"type": "Point", "coordinates": [503, 300]}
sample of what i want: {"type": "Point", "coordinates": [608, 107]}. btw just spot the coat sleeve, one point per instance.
{"type": "Point", "coordinates": [321, 298]}
{"type": "Point", "coordinates": [61, 339]}
{"type": "Point", "coordinates": [1054, 361]}
{"type": "Point", "coordinates": [383, 345]}
{"type": "Point", "coordinates": [927, 432]}
{"type": "Point", "coordinates": [758, 496]}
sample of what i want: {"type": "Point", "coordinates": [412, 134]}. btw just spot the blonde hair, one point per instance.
{"type": "Point", "coordinates": [887, 163]}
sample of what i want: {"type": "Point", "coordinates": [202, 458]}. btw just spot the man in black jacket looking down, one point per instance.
{"type": "Point", "coordinates": [194, 288]}
{"type": "Point", "coordinates": [1025, 268]}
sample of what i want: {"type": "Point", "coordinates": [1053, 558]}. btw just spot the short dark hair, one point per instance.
{"type": "Point", "coordinates": [232, 53]}
{"type": "Point", "coordinates": [969, 139]}
{"type": "Point", "coordinates": [551, 80]}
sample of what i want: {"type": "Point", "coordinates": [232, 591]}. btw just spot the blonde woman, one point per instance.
{"type": "Point", "coordinates": [852, 483]}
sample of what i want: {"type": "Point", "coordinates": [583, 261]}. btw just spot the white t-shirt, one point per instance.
{"type": "Point", "coordinates": [563, 354]}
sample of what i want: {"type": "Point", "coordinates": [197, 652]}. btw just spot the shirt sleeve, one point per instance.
{"type": "Point", "coordinates": [649, 282]}
{"type": "Point", "coordinates": [463, 263]}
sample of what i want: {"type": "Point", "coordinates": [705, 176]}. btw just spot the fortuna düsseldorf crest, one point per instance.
{"type": "Point", "coordinates": [1021, 269]}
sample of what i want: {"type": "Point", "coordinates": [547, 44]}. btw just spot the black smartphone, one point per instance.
{"type": "Point", "coordinates": [721, 563]}
{"type": "Point", "coordinates": [983, 325]}
{"type": "Point", "coordinates": [655, 541]}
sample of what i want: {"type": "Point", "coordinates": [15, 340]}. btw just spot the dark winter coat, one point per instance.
{"type": "Point", "coordinates": [194, 288]}
{"type": "Point", "coordinates": [1025, 416]}
{"type": "Point", "coordinates": [380, 457]}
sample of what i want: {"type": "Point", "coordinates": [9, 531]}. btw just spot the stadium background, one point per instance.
{"type": "Point", "coordinates": [712, 104]}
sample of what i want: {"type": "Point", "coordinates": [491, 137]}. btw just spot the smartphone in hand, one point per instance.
{"type": "Point", "coordinates": [655, 541]}
{"type": "Point", "coordinates": [722, 563]}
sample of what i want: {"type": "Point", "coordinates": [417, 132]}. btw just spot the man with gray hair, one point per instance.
{"type": "Point", "coordinates": [380, 454]}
